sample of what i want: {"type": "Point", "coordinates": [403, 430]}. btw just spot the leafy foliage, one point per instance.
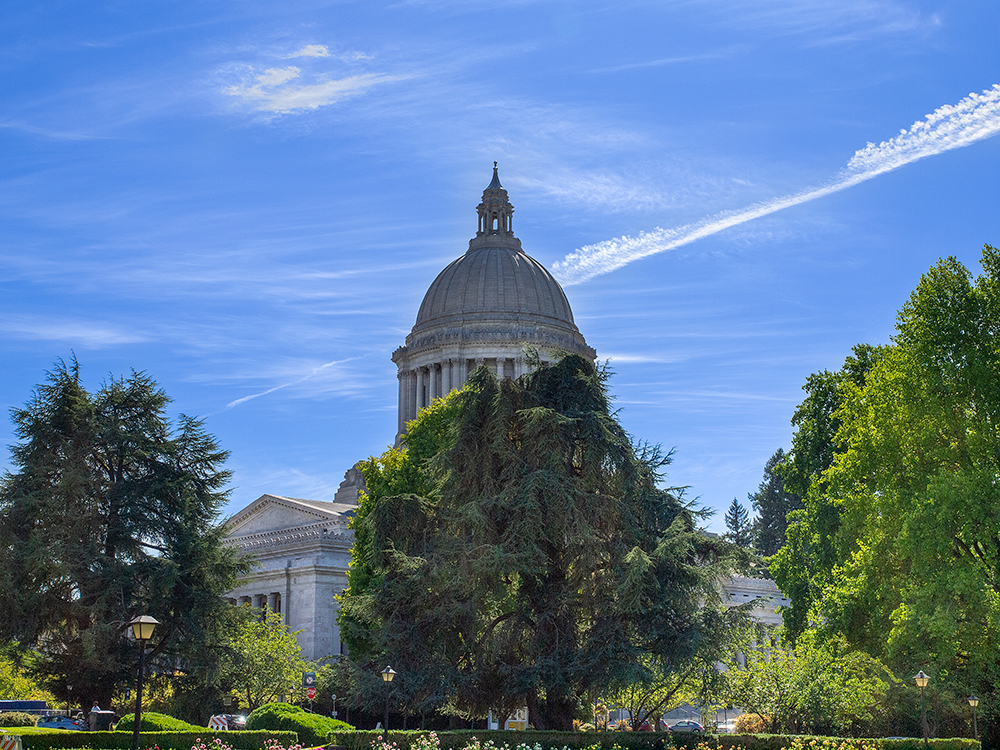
{"type": "Point", "coordinates": [152, 721]}
{"type": "Point", "coordinates": [897, 547]}
{"type": "Point", "coordinates": [541, 560]}
{"type": "Point", "coordinates": [17, 719]}
{"type": "Point", "coordinates": [816, 688]}
{"type": "Point", "coordinates": [70, 740]}
{"type": "Point", "coordinates": [262, 659]}
{"type": "Point", "coordinates": [536, 740]}
{"type": "Point", "coordinates": [111, 513]}
{"type": "Point", "coordinates": [311, 729]}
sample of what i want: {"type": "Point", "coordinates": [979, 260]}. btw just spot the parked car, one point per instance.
{"type": "Point", "coordinates": [727, 727]}
{"type": "Point", "coordinates": [61, 722]}
{"type": "Point", "coordinates": [687, 726]}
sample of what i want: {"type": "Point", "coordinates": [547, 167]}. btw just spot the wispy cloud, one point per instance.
{"type": "Point", "coordinates": [315, 371]}
{"type": "Point", "coordinates": [952, 126]}
{"type": "Point", "coordinates": [279, 90]}
{"type": "Point", "coordinates": [312, 50]}
{"type": "Point", "coordinates": [83, 333]}
{"type": "Point", "coordinates": [664, 61]}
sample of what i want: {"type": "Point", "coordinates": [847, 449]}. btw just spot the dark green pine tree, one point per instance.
{"type": "Point", "coordinates": [111, 512]}
{"type": "Point", "coordinates": [773, 503]}
{"type": "Point", "coordinates": [548, 563]}
{"type": "Point", "coordinates": [739, 525]}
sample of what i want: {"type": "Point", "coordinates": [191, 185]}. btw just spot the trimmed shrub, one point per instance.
{"type": "Point", "coordinates": [457, 740]}
{"type": "Point", "coordinates": [749, 724]}
{"type": "Point", "coordinates": [312, 729]}
{"type": "Point", "coordinates": [154, 722]}
{"type": "Point", "coordinates": [17, 719]}
{"type": "Point", "coordinates": [71, 740]}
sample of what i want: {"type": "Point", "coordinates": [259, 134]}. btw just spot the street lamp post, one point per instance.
{"type": "Point", "coordinates": [387, 675]}
{"type": "Point", "coordinates": [142, 629]}
{"type": "Point", "coordinates": [334, 713]}
{"type": "Point", "coordinates": [974, 702]}
{"type": "Point", "coordinates": [922, 680]}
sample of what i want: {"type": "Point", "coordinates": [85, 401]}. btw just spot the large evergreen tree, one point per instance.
{"type": "Point", "coordinates": [738, 522]}
{"type": "Point", "coordinates": [110, 513]}
{"type": "Point", "coordinates": [544, 563]}
{"type": "Point", "coordinates": [773, 503]}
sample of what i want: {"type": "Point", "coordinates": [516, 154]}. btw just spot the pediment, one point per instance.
{"type": "Point", "coordinates": [275, 513]}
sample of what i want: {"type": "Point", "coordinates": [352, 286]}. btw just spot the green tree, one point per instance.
{"type": "Point", "coordinates": [545, 562]}
{"type": "Point", "coordinates": [110, 513]}
{"type": "Point", "coordinates": [15, 678]}
{"type": "Point", "coordinates": [914, 560]}
{"type": "Point", "coordinates": [802, 567]}
{"type": "Point", "coordinates": [697, 681]}
{"type": "Point", "coordinates": [739, 525]}
{"type": "Point", "coordinates": [262, 659]}
{"type": "Point", "coordinates": [773, 503]}
{"type": "Point", "coordinates": [815, 688]}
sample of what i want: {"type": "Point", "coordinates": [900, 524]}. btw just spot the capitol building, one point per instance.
{"type": "Point", "coordinates": [484, 308]}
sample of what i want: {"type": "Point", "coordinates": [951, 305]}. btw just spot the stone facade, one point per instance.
{"type": "Point", "coordinates": [303, 548]}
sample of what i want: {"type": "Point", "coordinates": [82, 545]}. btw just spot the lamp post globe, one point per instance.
{"type": "Point", "coordinates": [974, 702]}
{"type": "Point", "coordinates": [922, 679]}
{"type": "Point", "coordinates": [387, 674]}
{"type": "Point", "coordinates": [142, 629]}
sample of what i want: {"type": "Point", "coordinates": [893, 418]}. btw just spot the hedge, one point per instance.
{"type": "Point", "coordinates": [312, 729]}
{"type": "Point", "coordinates": [70, 740]}
{"type": "Point", "coordinates": [456, 740]}
{"type": "Point", "coordinates": [154, 722]}
{"type": "Point", "coordinates": [17, 719]}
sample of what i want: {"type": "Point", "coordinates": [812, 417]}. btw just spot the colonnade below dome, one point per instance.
{"type": "Point", "coordinates": [421, 384]}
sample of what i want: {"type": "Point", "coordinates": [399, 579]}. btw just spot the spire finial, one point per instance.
{"type": "Point", "coordinates": [494, 165]}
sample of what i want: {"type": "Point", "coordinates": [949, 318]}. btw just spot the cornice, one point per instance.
{"type": "Point", "coordinates": [312, 532]}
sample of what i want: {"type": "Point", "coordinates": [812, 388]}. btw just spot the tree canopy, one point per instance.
{"type": "Point", "coordinates": [534, 558]}
{"type": "Point", "coordinates": [110, 513]}
{"type": "Point", "coordinates": [262, 660]}
{"type": "Point", "coordinates": [897, 547]}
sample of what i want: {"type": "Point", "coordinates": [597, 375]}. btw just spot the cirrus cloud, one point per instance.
{"type": "Point", "coordinates": [281, 90]}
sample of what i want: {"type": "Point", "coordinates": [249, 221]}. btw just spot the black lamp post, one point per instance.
{"type": "Point", "coordinates": [142, 629]}
{"type": "Point", "coordinates": [387, 675]}
{"type": "Point", "coordinates": [974, 702]}
{"type": "Point", "coordinates": [922, 680]}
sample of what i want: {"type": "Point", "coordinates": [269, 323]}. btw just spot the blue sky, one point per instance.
{"type": "Point", "coordinates": [248, 200]}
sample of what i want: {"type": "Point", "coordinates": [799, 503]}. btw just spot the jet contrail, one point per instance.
{"type": "Point", "coordinates": [239, 401]}
{"type": "Point", "coordinates": [974, 118]}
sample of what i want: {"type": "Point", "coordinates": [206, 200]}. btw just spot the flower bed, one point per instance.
{"type": "Point", "coordinates": [536, 740]}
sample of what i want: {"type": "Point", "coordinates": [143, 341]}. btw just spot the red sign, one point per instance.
{"type": "Point", "coordinates": [310, 693]}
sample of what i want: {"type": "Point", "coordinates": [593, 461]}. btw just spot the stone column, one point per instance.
{"type": "Point", "coordinates": [401, 411]}
{"type": "Point", "coordinates": [448, 373]}
{"type": "Point", "coordinates": [420, 389]}
{"type": "Point", "coordinates": [272, 601]}
{"type": "Point", "coordinates": [411, 395]}
{"type": "Point", "coordinates": [432, 389]}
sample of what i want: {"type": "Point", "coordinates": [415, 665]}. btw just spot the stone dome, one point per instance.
{"type": "Point", "coordinates": [483, 309]}
{"type": "Point", "coordinates": [494, 283]}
